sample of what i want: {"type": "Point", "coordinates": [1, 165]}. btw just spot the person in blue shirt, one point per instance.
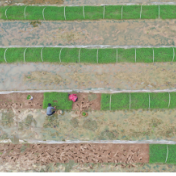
{"type": "Point", "coordinates": [50, 109]}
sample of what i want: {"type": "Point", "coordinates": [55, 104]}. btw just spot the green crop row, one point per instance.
{"type": "Point", "coordinates": [118, 101]}
{"type": "Point", "coordinates": [88, 12]}
{"type": "Point", "coordinates": [162, 153]}
{"type": "Point", "coordinates": [123, 101]}
{"type": "Point", "coordinates": [85, 55]}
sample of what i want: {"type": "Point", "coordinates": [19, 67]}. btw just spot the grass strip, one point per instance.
{"type": "Point", "coordinates": [107, 56]}
{"type": "Point", "coordinates": [149, 12]}
{"type": "Point", "coordinates": [2, 12]}
{"type": "Point", "coordinates": [144, 55]}
{"type": "Point", "coordinates": [168, 11]}
{"type": "Point", "coordinates": [157, 153]}
{"type": "Point", "coordinates": [70, 55]}
{"type": "Point", "coordinates": [93, 12]}
{"type": "Point", "coordinates": [113, 12]}
{"type": "Point", "coordinates": [139, 101]}
{"type": "Point", "coordinates": [74, 13]}
{"type": "Point", "coordinates": [163, 54]}
{"type": "Point", "coordinates": [57, 99]}
{"type": "Point", "coordinates": [119, 101]}
{"type": "Point", "coordinates": [172, 100]}
{"type": "Point", "coordinates": [159, 100]}
{"type": "Point", "coordinates": [51, 54]}
{"type": "Point", "coordinates": [105, 102]}
{"type": "Point", "coordinates": [88, 55]}
{"type": "Point", "coordinates": [2, 50]}
{"type": "Point", "coordinates": [54, 13]}
{"type": "Point", "coordinates": [14, 13]}
{"type": "Point", "coordinates": [131, 12]}
{"type": "Point", "coordinates": [171, 154]}
{"type": "Point", "coordinates": [33, 55]}
{"type": "Point", "coordinates": [126, 55]}
{"type": "Point", "coordinates": [15, 55]}
{"type": "Point", "coordinates": [34, 12]}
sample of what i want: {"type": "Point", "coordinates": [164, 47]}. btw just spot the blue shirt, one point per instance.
{"type": "Point", "coordinates": [49, 110]}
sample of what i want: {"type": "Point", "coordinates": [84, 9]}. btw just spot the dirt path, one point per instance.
{"type": "Point", "coordinates": [104, 32]}
{"type": "Point", "coordinates": [43, 76]}
{"type": "Point", "coordinates": [80, 153]}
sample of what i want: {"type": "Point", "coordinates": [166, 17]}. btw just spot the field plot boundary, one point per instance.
{"type": "Point", "coordinates": [99, 90]}
{"type": "Point", "coordinates": [122, 53]}
{"type": "Point", "coordinates": [93, 142]}
{"type": "Point", "coordinates": [162, 12]}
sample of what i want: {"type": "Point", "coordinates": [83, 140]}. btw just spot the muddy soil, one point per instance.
{"type": "Point", "coordinates": [19, 101]}
{"type": "Point", "coordinates": [87, 101]}
{"type": "Point", "coordinates": [101, 32]}
{"type": "Point", "coordinates": [29, 154]}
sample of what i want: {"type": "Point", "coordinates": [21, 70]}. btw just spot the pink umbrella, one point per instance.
{"type": "Point", "coordinates": [73, 97]}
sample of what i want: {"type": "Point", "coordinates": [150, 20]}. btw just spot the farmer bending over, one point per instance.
{"type": "Point", "coordinates": [50, 109]}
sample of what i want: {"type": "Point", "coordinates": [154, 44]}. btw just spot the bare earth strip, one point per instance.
{"type": "Point", "coordinates": [80, 153]}
{"type": "Point", "coordinates": [43, 76]}
{"type": "Point", "coordinates": [33, 125]}
{"type": "Point", "coordinates": [102, 32]}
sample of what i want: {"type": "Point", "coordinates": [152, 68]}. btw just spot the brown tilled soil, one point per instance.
{"type": "Point", "coordinates": [19, 101]}
{"type": "Point", "coordinates": [81, 153]}
{"type": "Point", "coordinates": [87, 101]}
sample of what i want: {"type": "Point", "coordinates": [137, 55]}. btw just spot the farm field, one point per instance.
{"type": "Point", "coordinates": [88, 48]}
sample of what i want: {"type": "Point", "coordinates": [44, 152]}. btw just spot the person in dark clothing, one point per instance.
{"type": "Point", "coordinates": [50, 109]}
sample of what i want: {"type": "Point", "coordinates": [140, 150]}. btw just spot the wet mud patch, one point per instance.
{"type": "Point", "coordinates": [87, 101]}
{"type": "Point", "coordinates": [79, 153]}
{"type": "Point", "coordinates": [19, 101]}
{"type": "Point", "coordinates": [35, 23]}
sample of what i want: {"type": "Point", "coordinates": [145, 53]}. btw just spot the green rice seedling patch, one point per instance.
{"type": "Point", "coordinates": [54, 13]}
{"type": "Point", "coordinates": [139, 101]}
{"type": "Point", "coordinates": [34, 12]}
{"type": "Point", "coordinates": [126, 55]}
{"type": "Point", "coordinates": [51, 54]}
{"type": "Point", "coordinates": [70, 55]}
{"type": "Point", "coordinates": [15, 55]}
{"type": "Point", "coordinates": [157, 153]}
{"type": "Point", "coordinates": [163, 54]}
{"type": "Point", "coordinates": [120, 101]}
{"type": "Point", "coordinates": [171, 154]}
{"type": "Point", "coordinates": [113, 12]}
{"type": "Point", "coordinates": [107, 56]}
{"type": "Point", "coordinates": [131, 12]}
{"type": "Point", "coordinates": [93, 12]}
{"type": "Point", "coordinates": [2, 12]}
{"type": "Point", "coordinates": [144, 55]}
{"type": "Point", "coordinates": [159, 100]}
{"type": "Point", "coordinates": [74, 13]}
{"type": "Point", "coordinates": [88, 55]}
{"type": "Point", "coordinates": [168, 11]}
{"type": "Point", "coordinates": [15, 13]}
{"type": "Point", "coordinates": [2, 50]}
{"type": "Point", "coordinates": [172, 100]}
{"type": "Point", "coordinates": [60, 100]}
{"type": "Point", "coordinates": [149, 12]}
{"type": "Point", "coordinates": [33, 55]}
{"type": "Point", "coordinates": [105, 102]}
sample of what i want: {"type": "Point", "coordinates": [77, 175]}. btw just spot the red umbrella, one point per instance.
{"type": "Point", "coordinates": [73, 97]}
